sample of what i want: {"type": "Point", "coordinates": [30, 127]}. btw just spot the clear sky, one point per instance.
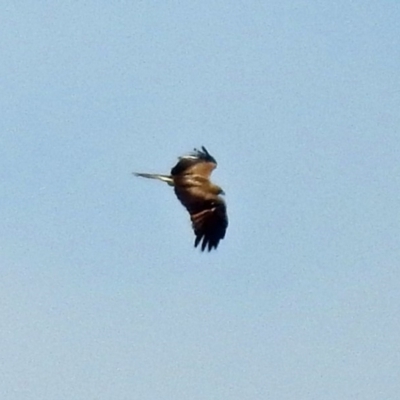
{"type": "Point", "coordinates": [102, 295]}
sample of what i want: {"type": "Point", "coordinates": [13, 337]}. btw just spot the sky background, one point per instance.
{"type": "Point", "coordinates": [102, 295]}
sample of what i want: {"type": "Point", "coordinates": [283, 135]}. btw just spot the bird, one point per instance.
{"type": "Point", "coordinates": [190, 178]}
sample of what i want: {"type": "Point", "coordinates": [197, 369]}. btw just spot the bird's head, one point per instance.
{"type": "Point", "coordinates": [215, 189]}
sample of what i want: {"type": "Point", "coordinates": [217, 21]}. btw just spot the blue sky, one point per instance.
{"type": "Point", "coordinates": [103, 295]}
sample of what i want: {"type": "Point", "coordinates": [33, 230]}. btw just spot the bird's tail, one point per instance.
{"type": "Point", "coordinates": [165, 178]}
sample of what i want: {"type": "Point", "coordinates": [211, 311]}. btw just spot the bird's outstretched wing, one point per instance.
{"type": "Point", "coordinates": [210, 225]}
{"type": "Point", "coordinates": [200, 162]}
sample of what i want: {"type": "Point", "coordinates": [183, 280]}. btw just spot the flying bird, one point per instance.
{"type": "Point", "coordinates": [190, 178]}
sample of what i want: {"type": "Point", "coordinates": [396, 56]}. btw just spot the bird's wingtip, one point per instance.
{"type": "Point", "coordinates": [202, 154]}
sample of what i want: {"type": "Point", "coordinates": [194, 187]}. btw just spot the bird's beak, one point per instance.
{"type": "Point", "coordinates": [222, 192]}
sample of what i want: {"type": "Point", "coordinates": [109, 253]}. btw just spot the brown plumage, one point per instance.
{"type": "Point", "coordinates": [190, 178]}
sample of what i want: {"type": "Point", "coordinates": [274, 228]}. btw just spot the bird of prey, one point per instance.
{"type": "Point", "coordinates": [190, 178]}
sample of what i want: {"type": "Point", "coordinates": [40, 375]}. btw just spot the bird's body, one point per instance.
{"type": "Point", "coordinates": [190, 178]}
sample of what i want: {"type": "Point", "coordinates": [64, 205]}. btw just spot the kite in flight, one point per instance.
{"type": "Point", "coordinates": [191, 181]}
